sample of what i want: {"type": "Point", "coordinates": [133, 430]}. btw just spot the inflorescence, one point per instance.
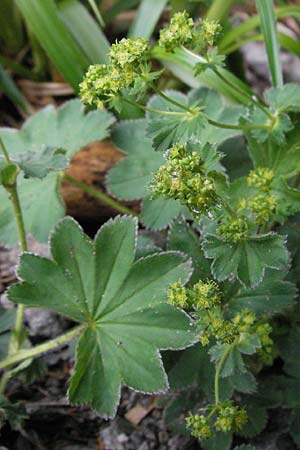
{"type": "Point", "coordinates": [128, 65]}
{"type": "Point", "coordinates": [184, 178]}
{"type": "Point", "coordinates": [224, 416]}
{"type": "Point", "coordinates": [182, 30]}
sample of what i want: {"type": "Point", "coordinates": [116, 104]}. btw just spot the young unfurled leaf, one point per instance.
{"type": "Point", "coordinates": [122, 304]}
{"type": "Point", "coordinates": [246, 259]}
{"type": "Point", "coordinates": [169, 129]}
{"type": "Point", "coordinates": [68, 128]}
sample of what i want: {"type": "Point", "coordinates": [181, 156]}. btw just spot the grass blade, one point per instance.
{"type": "Point", "coordinates": [97, 13]}
{"type": "Point", "coordinates": [268, 27]}
{"type": "Point", "coordinates": [85, 31]}
{"type": "Point", "coordinates": [12, 36]}
{"type": "Point", "coordinates": [9, 88]}
{"type": "Point", "coordinates": [288, 43]}
{"type": "Point", "coordinates": [146, 18]}
{"type": "Point", "coordinates": [43, 20]}
{"type": "Point", "coordinates": [232, 37]}
{"type": "Point", "coordinates": [181, 63]}
{"type": "Point", "coordinates": [218, 10]}
{"type": "Point", "coordinates": [117, 8]}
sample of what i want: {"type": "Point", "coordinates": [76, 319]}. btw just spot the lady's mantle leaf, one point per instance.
{"type": "Point", "coordinates": [67, 128]}
{"type": "Point", "coordinates": [169, 129]}
{"type": "Point", "coordinates": [273, 296]}
{"type": "Point", "coordinates": [247, 259]}
{"type": "Point", "coordinates": [123, 304]}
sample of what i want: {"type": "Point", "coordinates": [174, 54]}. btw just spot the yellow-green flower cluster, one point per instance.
{"type": "Point", "coordinates": [263, 206]}
{"type": "Point", "coordinates": [208, 32]}
{"type": "Point", "coordinates": [199, 426]}
{"type": "Point", "coordinates": [265, 352]}
{"type": "Point", "coordinates": [234, 229]}
{"type": "Point", "coordinates": [261, 178]}
{"type": "Point", "coordinates": [183, 178]}
{"type": "Point", "coordinates": [128, 53]}
{"type": "Point", "coordinates": [177, 295]}
{"type": "Point", "coordinates": [205, 295]}
{"type": "Point", "coordinates": [182, 30]}
{"type": "Point", "coordinates": [223, 417]}
{"type": "Point", "coordinates": [127, 62]}
{"type": "Point", "coordinates": [178, 32]}
{"type": "Point", "coordinates": [214, 326]}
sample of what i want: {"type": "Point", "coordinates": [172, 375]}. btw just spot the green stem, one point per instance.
{"type": "Point", "coordinates": [16, 336]}
{"type": "Point", "coordinates": [42, 348]}
{"type": "Point", "coordinates": [218, 10]}
{"type": "Point", "coordinates": [218, 371]}
{"type": "Point", "coordinates": [155, 111]}
{"type": "Point", "coordinates": [212, 122]}
{"type": "Point", "coordinates": [170, 100]}
{"type": "Point", "coordinates": [254, 100]}
{"type": "Point", "coordinates": [101, 196]}
{"type": "Point", "coordinates": [4, 151]}
{"type": "Point", "coordinates": [238, 127]}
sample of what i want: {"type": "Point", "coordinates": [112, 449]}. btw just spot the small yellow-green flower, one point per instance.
{"type": "Point", "coordinates": [234, 229]}
{"type": "Point", "coordinates": [177, 295]}
{"type": "Point", "coordinates": [261, 178]}
{"type": "Point", "coordinates": [178, 32]}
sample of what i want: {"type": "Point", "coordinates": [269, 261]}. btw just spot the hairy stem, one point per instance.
{"type": "Point", "coordinates": [4, 151]}
{"type": "Point", "coordinates": [210, 121]}
{"type": "Point", "coordinates": [218, 371]}
{"type": "Point", "coordinates": [251, 99]}
{"type": "Point", "coordinates": [101, 196]}
{"type": "Point", "coordinates": [155, 111]}
{"type": "Point", "coordinates": [237, 127]}
{"type": "Point", "coordinates": [42, 348]}
{"type": "Point", "coordinates": [170, 100]}
{"type": "Point", "coordinates": [16, 336]}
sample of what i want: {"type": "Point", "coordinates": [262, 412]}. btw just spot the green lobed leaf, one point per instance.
{"type": "Point", "coordinates": [273, 296]}
{"type": "Point", "coordinates": [193, 367]}
{"type": "Point", "coordinates": [243, 382]}
{"type": "Point", "coordinates": [39, 165]}
{"type": "Point", "coordinates": [67, 127]}
{"type": "Point", "coordinates": [257, 420]}
{"type": "Point", "coordinates": [157, 214]}
{"type": "Point", "coordinates": [286, 98]}
{"type": "Point", "coordinates": [247, 259]}
{"type": "Point", "coordinates": [130, 177]}
{"type": "Point", "coordinates": [219, 441]}
{"type": "Point", "coordinates": [122, 304]}
{"type": "Point", "coordinates": [233, 364]}
{"type": "Point", "coordinates": [169, 129]}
